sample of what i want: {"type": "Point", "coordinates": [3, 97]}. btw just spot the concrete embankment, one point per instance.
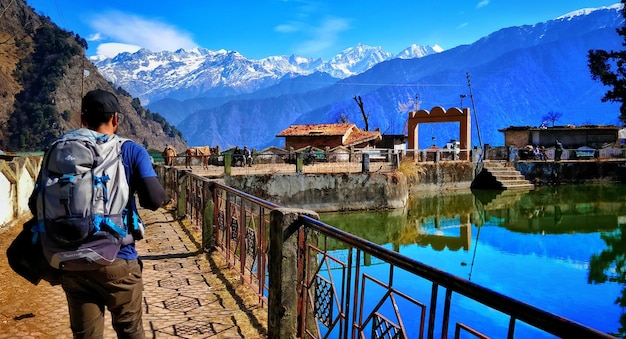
{"type": "Point", "coordinates": [355, 191]}
{"type": "Point", "coordinates": [573, 171]}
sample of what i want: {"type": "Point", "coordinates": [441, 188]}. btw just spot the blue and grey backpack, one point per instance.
{"type": "Point", "coordinates": [82, 201]}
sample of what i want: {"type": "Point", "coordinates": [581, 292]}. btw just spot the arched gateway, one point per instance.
{"type": "Point", "coordinates": [439, 114]}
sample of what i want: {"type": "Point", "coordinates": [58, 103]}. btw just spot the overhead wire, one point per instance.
{"type": "Point", "coordinates": [397, 84]}
{"type": "Point", "coordinates": [56, 4]}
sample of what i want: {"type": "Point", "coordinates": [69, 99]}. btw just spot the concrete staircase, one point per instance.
{"type": "Point", "coordinates": [500, 175]}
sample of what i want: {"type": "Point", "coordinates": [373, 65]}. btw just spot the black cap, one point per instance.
{"type": "Point", "coordinates": [99, 101]}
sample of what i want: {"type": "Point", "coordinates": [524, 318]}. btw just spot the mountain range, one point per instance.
{"type": "Point", "coordinates": [512, 77]}
{"type": "Point", "coordinates": [200, 72]}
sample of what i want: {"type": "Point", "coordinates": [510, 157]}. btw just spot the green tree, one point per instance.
{"type": "Point", "coordinates": [609, 67]}
{"type": "Point", "coordinates": [35, 120]}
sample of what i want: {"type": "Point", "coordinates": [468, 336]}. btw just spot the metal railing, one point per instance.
{"type": "Point", "coordinates": [384, 155]}
{"type": "Point", "coordinates": [317, 283]}
{"type": "Point", "coordinates": [347, 282]}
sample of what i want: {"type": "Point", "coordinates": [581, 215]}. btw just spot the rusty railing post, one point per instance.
{"type": "Point", "coordinates": [208, 231]}
{"type": "Point", "coordinates": [283, 272]}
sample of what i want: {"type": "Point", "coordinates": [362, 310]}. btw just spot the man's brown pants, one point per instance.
{"type": "Point", "coordinates": [118, 286]}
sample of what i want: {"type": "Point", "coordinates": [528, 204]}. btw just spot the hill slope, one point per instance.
{"type": "Point", "coordinates": [43, 75]}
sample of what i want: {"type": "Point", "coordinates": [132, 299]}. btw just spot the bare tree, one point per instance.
{"type": "Point", "coordinates": [552, 117]}
{"type": "Point", "coordinates": [410, 104]}
{"type": "Point", "coordinates": [366, 116]}
{"type": "Point", "coordinates": [404, 108]}
{"type": "Point", "coordinates": [343, 118]}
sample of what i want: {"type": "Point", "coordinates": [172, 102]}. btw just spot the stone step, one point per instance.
{"type": "Point", "coordinates": [526, 186]}
{"type": "Point", "coordinates": [510, 177]}
{"type": "Point", "coordinates": [501, 171]}
{"type": "Point", "coordinates": [514, 182]}
{"type": "Point", "coordinates": [507, 176]}
{"type": "Point", "coordinates": [492, 164]}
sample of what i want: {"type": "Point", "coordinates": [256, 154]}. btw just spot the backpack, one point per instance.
{"type": "Point", "coordinates": [82, 201]}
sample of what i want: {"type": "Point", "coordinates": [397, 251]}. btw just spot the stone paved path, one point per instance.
{"type": "Point", "coordinates": [188, 294]}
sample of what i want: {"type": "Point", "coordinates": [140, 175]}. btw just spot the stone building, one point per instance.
{"type": "Point", "coordinates": [594, 136]}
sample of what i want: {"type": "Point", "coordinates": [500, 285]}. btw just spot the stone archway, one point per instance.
{"type": "Point", "coordinates": [439, 114]}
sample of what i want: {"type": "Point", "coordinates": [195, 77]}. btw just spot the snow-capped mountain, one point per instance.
{"type": "Point", "coordinates": [355, 60]}
{"type": "Point", "coordinates": [185, 74]}
{"type": "Point", "coordinates": [417, 51]}
{"type": "Point", "coordinates": [518, 74]}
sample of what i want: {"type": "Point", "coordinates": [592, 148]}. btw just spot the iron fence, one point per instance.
{"type": "Point", "coordinates": [316, 282]}
{"type": "Point", "coordinates": [349, 302]}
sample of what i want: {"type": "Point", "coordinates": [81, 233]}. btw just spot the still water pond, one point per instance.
{"type": "Point", "coordinates": [561, 249]}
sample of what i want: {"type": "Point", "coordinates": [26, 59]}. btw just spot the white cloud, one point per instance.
{"type": "Point", "coordinates": [315, 35]}
{"type": "Point", "coordinates": [120, 29]}
{"type": "Point", "coordinates": [287, 28]}
{"type": "Point", "coordinates": [94, 37]}
{"type": "Point", "coordinates": [482, 3]}
{"type": "Point", "coordinates": [112, 49]}
{"type": "Point", "coordinates": [323, 37]}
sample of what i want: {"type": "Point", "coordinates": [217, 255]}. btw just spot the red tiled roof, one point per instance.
{"type": "Point", "coordinates": [349, 133]}
{"type": "Point", "coordinates": [358, 137]}
{"type": "Point", "coordinates": [314, 130]}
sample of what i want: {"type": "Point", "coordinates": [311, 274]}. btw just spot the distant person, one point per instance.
{"type": "Point", "coordinates": [558, 151]}
{"type": "Point", "coordinates": [247, 156]}
{"type": "Point", "coordinates": [310, 159]}
{"type": "Point", "coordinates": [536, 153]}
{"type": "Point", "coordinates": [238, 157]}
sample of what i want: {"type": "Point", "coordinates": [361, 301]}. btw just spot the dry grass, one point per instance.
{"type": "Point", "coordinates": [412, 171]}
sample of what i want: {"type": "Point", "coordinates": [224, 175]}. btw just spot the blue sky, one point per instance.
{"type": "Point", "coordinates": [315, 28]}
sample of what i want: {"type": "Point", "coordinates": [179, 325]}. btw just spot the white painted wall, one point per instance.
{"type": "Point", "coordinates": [25, 186]}
{"type": "Point", "coordinates": [7, 203]}
{"type": "Point", "coordinates": [14, 196]}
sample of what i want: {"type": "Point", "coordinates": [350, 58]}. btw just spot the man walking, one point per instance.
{"type": "Point", "coordinates": [117, 286]}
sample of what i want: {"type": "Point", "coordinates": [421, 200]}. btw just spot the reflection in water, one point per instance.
{"type": "Point", "coordinates": [609, 265]}
{"type": "Point", "coordinates": [561, 248]}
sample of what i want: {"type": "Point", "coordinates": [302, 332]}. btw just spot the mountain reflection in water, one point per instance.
{"type": "Point", "coordinates": [557, 248]}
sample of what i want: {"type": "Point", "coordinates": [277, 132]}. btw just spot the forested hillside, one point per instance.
{"type": "Point", "coordinates": [43, 75]}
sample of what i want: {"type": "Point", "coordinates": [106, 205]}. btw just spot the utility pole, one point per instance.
{"type": "Point", "coordinates": [82, 78]}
